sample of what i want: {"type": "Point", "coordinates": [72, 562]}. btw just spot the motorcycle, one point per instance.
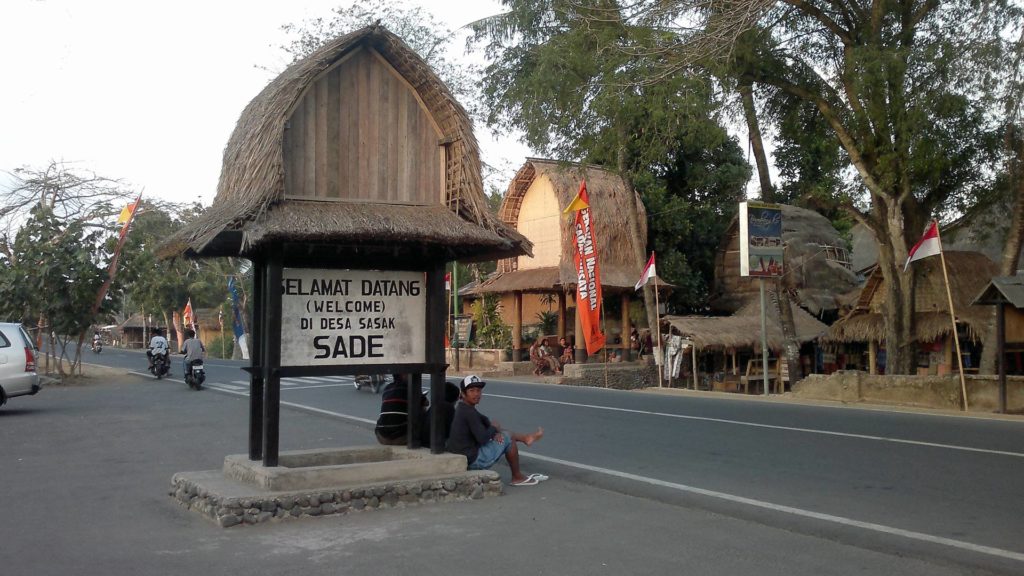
{"type": "Point", "coordinates": [97, 347]}
{"type": "Point", "coordinates": [195, 375]}
{"type": "Point", "coordinates": [161, 365]}
{"type": "Point", "coordinates": [375, 382]}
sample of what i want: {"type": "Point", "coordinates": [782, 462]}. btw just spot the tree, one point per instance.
{"type": "Point", "coordinates": [906, 88]}
{"type": "Point", "coordinates": [56, 223]}
{"type": "Point", "coordinates": [563, 73]}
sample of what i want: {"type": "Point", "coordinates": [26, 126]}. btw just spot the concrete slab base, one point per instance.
{"type": "Point", "coordinates": [322, 482]}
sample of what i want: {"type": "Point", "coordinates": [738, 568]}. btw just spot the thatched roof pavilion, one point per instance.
{"type": "Point", "coordinates": [359, 147]}
{"type": "Point", "coordinates": [533, 204]}
{"type": "Point", "coordinates": [742, 329]}
{"type": "Point", "coordinates": [969, 274]}
{"type": "Point", "coordinates": [817, 264]}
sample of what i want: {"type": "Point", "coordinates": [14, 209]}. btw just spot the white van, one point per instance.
{"type": "Point", "coordinates": [17, 363]}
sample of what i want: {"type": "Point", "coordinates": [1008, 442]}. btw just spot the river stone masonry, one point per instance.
{"type": "Point", "coordinates": [198, 492]}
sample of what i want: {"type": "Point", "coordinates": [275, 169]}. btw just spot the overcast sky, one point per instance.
{"type": "Point", "coordinates": [150, 92]}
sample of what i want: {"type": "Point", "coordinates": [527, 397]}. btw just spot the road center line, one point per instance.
{"type": "Point", "coordinates": [788, 509]}
{"type": "Point", "coordinates": [910, 534]}
{"type": "Point", "coordinates": [769, 426]}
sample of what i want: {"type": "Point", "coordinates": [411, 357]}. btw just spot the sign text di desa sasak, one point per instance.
{"type": "Point", "coordinates": [352, 317]}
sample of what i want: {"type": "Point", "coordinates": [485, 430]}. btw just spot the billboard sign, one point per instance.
{"type": "Point", "coordinates": [761, 247]}
{"type": "Point", "coordinates": [352, 317]}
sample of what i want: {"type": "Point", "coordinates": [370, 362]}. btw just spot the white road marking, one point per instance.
{"type": "Point", "coordinates": [880, 528]}
{"type": "Point", "coordinates": [1009, 554]}
{"type": "Point", "coordinates": [301, 407]}
{"type": "Point", "coordinates": [228, 386]}
{"type": "Point", "coordinates": [770, 426]}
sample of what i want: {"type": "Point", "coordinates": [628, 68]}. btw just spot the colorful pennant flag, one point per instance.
{"type": "Point", "coordinates": [588, 274]}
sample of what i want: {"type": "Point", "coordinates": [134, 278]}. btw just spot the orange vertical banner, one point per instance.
{"type": "Point", "coordinates": [588, 273]}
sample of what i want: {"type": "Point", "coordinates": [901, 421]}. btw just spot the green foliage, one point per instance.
{"type": "Point", "coordinates": [563, 73]}
{"type": "Point", "coordinates": [547, 321]}
{"type": "Point", "coordinates": [491, 331]}
{"type": "Point", "coordinates": [222, 346]}
{"type": "Point", "coordinates": [54, 270]}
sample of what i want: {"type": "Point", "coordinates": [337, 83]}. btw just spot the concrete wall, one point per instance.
{"type": "Point", "coordinates": [920, 391]}
{"type": "Point", "coordinates": [478, 359]}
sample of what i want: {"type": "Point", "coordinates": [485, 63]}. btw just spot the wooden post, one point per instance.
{"type": "Point", "coordinates": [872, 357]}
{"type": "Point", "coordinates": [764, 339]}
{"type": "Point", "coordinates": [626, 327]}
{"type": "Point", "coordinates": [952, 317]}
{"type": "Point", "coordinates": [414, 397]}
{"type": "Point", "coordinates": [256, 364]}
{"type": "Point", "coordinates": [561, 314]}
{"type": "Point", "coordinates": [1001, 353]}
{"type": "Point", "coordinates": [693, 350]}
{"type": "Point", "coordinates": [272, 356]}
{"type": "Point", "coordinates": [517, 326]}
{"type": "Point", "coordinates": [435, 354]}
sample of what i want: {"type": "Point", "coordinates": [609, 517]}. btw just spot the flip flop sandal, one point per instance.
{"type": "Point", "coordinates": [530, 481]}
{"type": "Point", "coordinates": [539, 477]}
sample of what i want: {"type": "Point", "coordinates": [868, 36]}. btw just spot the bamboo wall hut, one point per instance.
{"type": "Point", "coordinates": [857, 338]}
{"type": "Point", "coordinates": [361, 150]}
{"type": "Point", "coordinates": [723, 344]}
{"type": "Point", "coordinates": [533, 205]}
{"type": "Point", "coordinates": [817, 265]}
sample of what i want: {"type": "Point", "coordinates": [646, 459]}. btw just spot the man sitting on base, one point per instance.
{"type": "Point", "coordinates": [483, 442]}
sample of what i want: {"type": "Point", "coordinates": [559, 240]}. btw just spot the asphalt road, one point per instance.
{"type": "Point", "coordinates": [644, 482]}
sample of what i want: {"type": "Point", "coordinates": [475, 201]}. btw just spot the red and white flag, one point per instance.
{"type": "Point", "coordinates": [648, 273]}
{"type": "Point", "coordinates": [448, 281]}
{"type": "Point", "coordinates": [928, 245]}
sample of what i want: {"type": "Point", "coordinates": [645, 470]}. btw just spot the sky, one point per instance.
{"type": "Point", "coordinates": [150, 92]}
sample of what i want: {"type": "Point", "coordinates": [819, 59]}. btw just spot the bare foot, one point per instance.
{"type": "Point", "coordinates": [531, 438]}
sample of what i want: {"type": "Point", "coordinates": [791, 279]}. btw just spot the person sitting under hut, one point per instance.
{"type": "Point", "coordinates": [482, 441]}
{"type": "Point", "coordinates": [567, 352]}
{"type": "Point", "coordinates": [447, 409]}
{"type": "Point", "coordinates": [393, 423]}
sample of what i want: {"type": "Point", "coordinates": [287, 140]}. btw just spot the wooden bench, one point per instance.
{"type": "Point", "coordinates": [755, 374]}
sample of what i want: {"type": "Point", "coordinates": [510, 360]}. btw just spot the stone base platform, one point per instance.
{"type": "Point", "coordinates": [324, 482]}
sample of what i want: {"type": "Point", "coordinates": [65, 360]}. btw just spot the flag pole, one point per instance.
{"type": "Point", "coordinates": [952, 317]}
{"type": "Point", "coordinates": [658, 329]}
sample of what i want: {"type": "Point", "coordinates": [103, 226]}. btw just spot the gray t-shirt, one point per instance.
{"type": "Point", "coordinates": [193, 349]}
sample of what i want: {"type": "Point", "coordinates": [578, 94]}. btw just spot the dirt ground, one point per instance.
{"type": "Point", "coordinates": [91, 374]}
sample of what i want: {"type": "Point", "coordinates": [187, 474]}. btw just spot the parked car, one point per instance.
{"type": "Point", "coordinates": [17, 363]}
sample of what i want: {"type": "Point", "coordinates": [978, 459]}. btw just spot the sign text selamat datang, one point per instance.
{"type": "Point", "coordinates": [334, 317]}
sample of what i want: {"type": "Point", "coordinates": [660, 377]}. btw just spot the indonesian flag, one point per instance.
{"type": "Point", "coordinates": [187, 316]}
{"type": "Point", "coordinates": [448, 281]}
{"type": "Point", "coordinates": [928, 245]}
{"type": "Point", "coordinates": [649, 272]}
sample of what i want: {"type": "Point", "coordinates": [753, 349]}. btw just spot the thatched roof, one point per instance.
{"type": "Point", "coordinates": [816, 263]}
{"type": "Point", "coordinates": [742, 329]}
{"type": "Point", "coordinates": [250, 207]}
{"type": "Point", "coordinates": [969, 274]}
{"type": "Point", "coordinates": [610, 204]}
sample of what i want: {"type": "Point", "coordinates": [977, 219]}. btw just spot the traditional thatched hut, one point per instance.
{"type": "Point", "coordinates": [359, 146]}
{"type": "Point", "coordinates": [857, 338]}
{"type": "Point", "coordinates": [723, 344]}
{"type": "Point", "coordinates": [818, 270]}
{"type": "Point", "coordinates": [356, 157]}
{"type": "Point", "coordinates": [533, 204]}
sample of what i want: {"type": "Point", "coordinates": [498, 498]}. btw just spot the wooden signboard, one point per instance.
{"type": "Point", "coordinates": [345, 317]}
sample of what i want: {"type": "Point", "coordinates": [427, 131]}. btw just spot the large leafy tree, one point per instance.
{"type": "Point", "coordinates": [565, 75]}
{"type": "Point", "coordinates": [906, 88]}
{"type": "Point", "coordinates": [53, 257]}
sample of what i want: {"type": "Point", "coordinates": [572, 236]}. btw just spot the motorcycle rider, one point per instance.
{"type": "Point", "coordinates": [96, 340]}
{"type": "Point", "coordinates": [193, 349]}
{"type": "Point", "coordinates": [157, 345]}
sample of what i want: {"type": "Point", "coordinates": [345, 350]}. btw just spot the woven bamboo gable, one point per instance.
{"type": "Point", "coordinates": [533, 205]}
{"type": "Point", "coordinates": [360, 143]}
